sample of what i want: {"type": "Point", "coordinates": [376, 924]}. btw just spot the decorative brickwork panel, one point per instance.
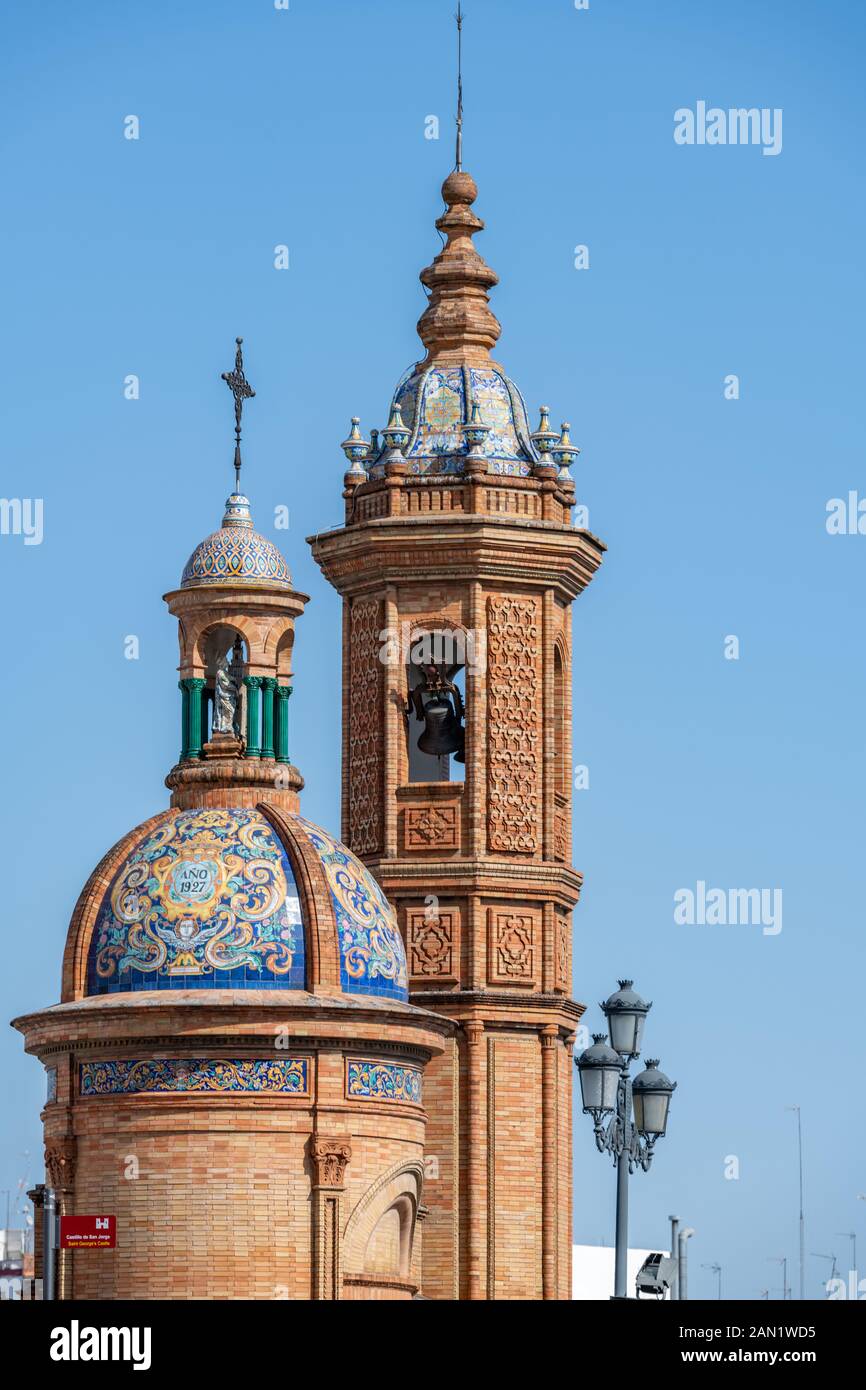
{"type": "Point", "coordinates": [514, 710]}
{"type": "Point", "coordinates": [560, 835]}
{"type": "Point", "coordinates": [563, 963]}
{"type": "Point", "coordinates": [383, 1081]}
{"type": "Point", "coordinates": [283, 1076]}
{"type": "Point", "coordinates": [432, 827]}
{"type": "Point", "coordinates": [433, 945]}
{"type": "Point", "coordinates": [514, 939]}
{"type": "Point", "coordinates": [365, 729]}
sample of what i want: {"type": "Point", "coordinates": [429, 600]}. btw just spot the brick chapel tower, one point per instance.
{"type": "Point", "coordinates": [458, 564]}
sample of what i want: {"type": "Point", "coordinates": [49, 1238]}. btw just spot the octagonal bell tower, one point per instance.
{"type": "Point", "coordinates": [458, 564]}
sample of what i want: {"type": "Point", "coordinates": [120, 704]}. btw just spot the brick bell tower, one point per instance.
{"type": "Point", "coordinates": [458, 564]}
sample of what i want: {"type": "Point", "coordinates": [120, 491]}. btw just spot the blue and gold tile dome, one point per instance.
{"type": "Point", "coordinates": [236, 553]}
{"type": "Point", "coordinates": [436, 406]}
{"type": "Point", "coordinates": [457, 408]}
{"type": "Point", "coordinates": [208, 899]}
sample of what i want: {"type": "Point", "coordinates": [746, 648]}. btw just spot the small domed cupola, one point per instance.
{"type": "Point", "coordinates": [236, 608]}
{"type": "Point", "coordinates": [236, 553]}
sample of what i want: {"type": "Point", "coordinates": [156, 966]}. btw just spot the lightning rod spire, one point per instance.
{"type": "Point", "coordinates": [459, 17]}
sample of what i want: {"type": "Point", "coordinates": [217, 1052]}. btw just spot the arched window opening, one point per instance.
{"type": "Point", "coordinates": [214, 704]}
{"type": "Point", "coordinates": [223, 697]}
{"type": "Point", "coordinates": [435, 731]}
{"type": "Point", "coordinates": [389, 1249]}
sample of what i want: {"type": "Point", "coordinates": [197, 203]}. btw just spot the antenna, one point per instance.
{"type": "Point", "coordinates": [459, 18]}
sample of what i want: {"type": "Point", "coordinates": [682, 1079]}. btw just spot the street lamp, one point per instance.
{"type": "Point", "coordinates": [802, 1215]}
{"type": "Point", "coordinates": [783, 1261]}
{"type": "Point", "coordinates": [816, 1255]}
{"type": "Point", "coordinates": [852, 1236]}
{"type": "Point", "coordinates": [628, 1116]}
{"type": "Point", "coordinates": [717, 1270]}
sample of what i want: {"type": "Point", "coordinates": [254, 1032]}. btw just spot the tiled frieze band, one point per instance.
{"type": "Point", "coordinates": [382, 1081]}
{"type": "Point", "coordinates": [283, 1076]}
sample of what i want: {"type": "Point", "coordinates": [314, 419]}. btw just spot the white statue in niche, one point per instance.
{"type": "Point", "coordinates": [226, 700]}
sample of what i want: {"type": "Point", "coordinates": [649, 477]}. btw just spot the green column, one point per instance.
{"type": "Point", "coordinates": [253, 685]}
{"type": "Point", "coordinates": [269, 685]}
{"type": "Point", "coordinates": [195, 685]}
{"type": "Point", "coordinates": [283, 693]}
{"type": "Point", "coordinates": [184, 719]}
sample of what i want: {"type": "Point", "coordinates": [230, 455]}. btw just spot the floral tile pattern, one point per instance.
{"type": "Point", "coordinates": [206, 899]}
{"type": "Point", "coordinates": [382, 1081]}
{"type": "Point", "coordinates": [372, 957]}
{"type": "Point", "coordinates": [436, 403]}
{"type": "Point", "coordinates": [282, 1076]}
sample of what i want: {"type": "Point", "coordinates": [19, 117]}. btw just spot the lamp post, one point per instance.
{"type": "Point", "coordinates": [783, 1261]}
{"type": "Point", "coordinates": [675, 1282]}
{"type": "Point", "coordinates": [852, 1236]}
{"type": "Point", "coordinates": [816, 1255]}
{"type": "Point", "coordinates": [802, 1216]}
{"type": "Point", "coordinates": [717, 1270]}
{"type": "Point", "coordinates": [683, 1261]}
{"type": "Point", "coordinates": [628, 1116]}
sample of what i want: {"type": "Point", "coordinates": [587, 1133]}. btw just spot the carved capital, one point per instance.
{"type": "Point", "coordinates": [330, 1156]}
{"type": "Point", "coordinates": [60, 1162]}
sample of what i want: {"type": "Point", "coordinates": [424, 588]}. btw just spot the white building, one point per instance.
{"type": "Point", "coordinates": [592, 1269]}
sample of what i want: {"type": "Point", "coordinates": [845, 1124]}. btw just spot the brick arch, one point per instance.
{"type": "Point", "coordinates": [196, 654]}
{"type": "Point", "coordinates": [279, 647]}
{"type": "Point", "coordinates": [322, 954]}
{"type": "Point", "coordinates": [432, 622]}
{"type": "Point", "coordinates": [399, 1188]}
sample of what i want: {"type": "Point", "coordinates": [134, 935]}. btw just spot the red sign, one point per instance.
{"type": "Point", "coordinates": [88, 1232]}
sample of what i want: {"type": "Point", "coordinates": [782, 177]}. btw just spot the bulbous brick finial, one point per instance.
{"type": "Point", "coordinates": [458, 326]}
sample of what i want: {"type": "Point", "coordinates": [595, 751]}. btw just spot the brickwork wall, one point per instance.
{"type": "Point", "coordinates": [480, 872]}
{"type": "Point", "coordinates": [514, 1166]}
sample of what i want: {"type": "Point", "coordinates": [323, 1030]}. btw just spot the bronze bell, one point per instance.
{"type": "Point", "coordinates": [443, 732]}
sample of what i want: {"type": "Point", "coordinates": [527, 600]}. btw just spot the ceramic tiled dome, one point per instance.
{"type": "Point", "coordinates": [456, 412]}
{"type": "Point", "coordinates": [225, 898]}
{"type": "Point", "coordinates": [436, 402]}
{"type": "Point", "coordinates": [236, 553]}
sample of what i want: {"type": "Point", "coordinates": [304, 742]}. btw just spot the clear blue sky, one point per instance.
{"type": "Point", "coordinates": [261, 127]}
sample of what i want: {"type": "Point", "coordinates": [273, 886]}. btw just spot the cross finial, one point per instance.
{"type": "Point", "coordinates": [242, 391]}
{"type": "Point", "coordinates": [459, 17]}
